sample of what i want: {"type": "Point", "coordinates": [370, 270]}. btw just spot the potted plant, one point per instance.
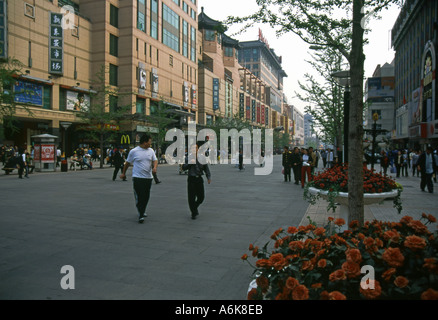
{"type": "Point", "coordinates": [332, 185]}
{"type": "Point", "coordinates": [309, 262]}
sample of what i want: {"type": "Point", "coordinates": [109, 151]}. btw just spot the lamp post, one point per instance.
{"type": "Point", "coordinates": [342, 78]}
{"type": "Point", "coordinates": [374, 132]}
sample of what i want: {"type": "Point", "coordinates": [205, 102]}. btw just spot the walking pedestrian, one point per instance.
{"type": "Point", "coordinates": [330, 158]}
{"type": "Point", "coordinates": [296, 164]}
{"type": "Point", "coordinates": [306, 167]}
{"type": "Point", "coordinates": [384, 163]}
{"type": "Point", "coordinates": [427, 167]}
{"type": "Point", "coordinates": [286, 163]}
{"type": "Point", "coordinates": [119, 161]}
{"type": "Point", "coordinates": [144, 162]}
{"type": "Point", "coordinates": [415, 157]}
{"type": "Point", "coordinates": [195, 182]}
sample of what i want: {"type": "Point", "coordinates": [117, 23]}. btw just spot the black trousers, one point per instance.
{"type": "Point", "coordinates": [142, 191]}
{"type": "Point", "coordinates": [287, 173]}
{"type": "Point", "coordinates": [116, 170]}
{"type": "Point", "coordinates": [426, 180]}
{"type": "Point", "coordinates": [297, 173]}
{"type": "Point", "coordinates": [195, 192]}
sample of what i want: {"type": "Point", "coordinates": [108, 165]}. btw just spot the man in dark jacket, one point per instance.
{"type": "Point", "coordinates": [427, 167]}
{"type": "Point", "coordinates": [195, 182]}
{"type": "Point", "coordinates": [286, 163]}
{"type": "Point", "coordinates": [296, 164]}
{"type": "Point", "coordinates": [118, 161]}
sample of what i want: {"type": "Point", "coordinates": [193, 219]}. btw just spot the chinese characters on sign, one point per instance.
{"type": "Point", "coordinates": [194, 97]}
{"type": "Point", "coordinates": [3, 34]}
{"type": "Point", "coordinates": [56, 45]}
{"type": "Point", "coordinates": [215, 93]}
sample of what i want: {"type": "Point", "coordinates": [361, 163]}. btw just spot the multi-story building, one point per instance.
{"type": "Point", "coordinates": [298, 120]}
{"type": "Point", "coordinates": [379, 99]}
{"type": "Point", "coordinates": [226, 89]}
{"type": "Point", "coordinates": [414, 39]}
{"type": "Point", "coordinates": [262, 61]}
{"type": "Point", "coordinates": [149, 48]}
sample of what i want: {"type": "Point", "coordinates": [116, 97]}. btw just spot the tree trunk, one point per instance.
{"type": "Point", "coordinates": [355, 132]}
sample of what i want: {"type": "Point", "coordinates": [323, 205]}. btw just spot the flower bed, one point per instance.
{"type": "Point", "coordinates": [334, 181]}
{"type": "Point", "coordinates": [309, 263]}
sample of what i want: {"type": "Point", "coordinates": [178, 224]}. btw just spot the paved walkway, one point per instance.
{"type": "Point", "coordinates": [414, 203]}
{"type": "Point", "coordinates": [85, 220]}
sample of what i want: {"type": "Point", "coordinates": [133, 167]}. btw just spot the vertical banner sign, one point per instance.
{"type": "Point", "coordinates": [194, 96]}
{"type": "Point", "coordinates": [248, 108]}
{"type": "Point", "coordinates": [154, 80]}
{"type": "Point", "coordinates": [241, 105]}
{"type": "Point", "coordinates": [3, 33]}
{"type": "Point", "coordinates": [267, 116]}
{"type": "Point", "coordinates": [186, 94]}
{"type": "Point", "coordinates": [253, 109]}
{"type": "Point", "coordinates": [263, 114]}
{"type": "Point", "coordinates": [56, 45]}
{"type": "Point", "coordinates": [258, 112]}
{"type": "Point", "coordinates": [215, 93]}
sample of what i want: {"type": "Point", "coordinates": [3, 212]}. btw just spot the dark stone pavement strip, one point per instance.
{"type": "Point", "coordinates": [85, 220]}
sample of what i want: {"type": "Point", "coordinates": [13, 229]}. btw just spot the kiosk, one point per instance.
{"type": "Point", "coordinates": [44, 152]}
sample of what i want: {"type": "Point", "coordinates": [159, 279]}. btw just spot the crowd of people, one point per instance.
{"type": "Point", "coordinates": [17, 158]}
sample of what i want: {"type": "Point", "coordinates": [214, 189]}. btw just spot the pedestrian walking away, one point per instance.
{"type": "Point", "coordinates": [427, 167]}
{"type": "Point", "coordinates": [144, 162]}
{"type": "Point", "coordinates": [118, 161]}
{"type": "Point", "coordinates": [286, 163]}
{"type": "Point", "coordinates": [195, 182]}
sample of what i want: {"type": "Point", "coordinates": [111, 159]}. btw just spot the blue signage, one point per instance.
{"type": "Point", "coordinates": [26, 92]}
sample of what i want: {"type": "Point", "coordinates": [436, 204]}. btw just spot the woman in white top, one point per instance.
{"type": "Point", "coordinates": [306, 167]}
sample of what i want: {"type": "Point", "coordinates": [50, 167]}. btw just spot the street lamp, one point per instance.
{"type": "Point", "coordinates": [342, 78]}
{"type": "Point", "coordinates": [374, 132]}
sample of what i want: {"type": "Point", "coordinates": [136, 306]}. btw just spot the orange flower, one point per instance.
{"type": "Point", "coordinates": [406, 219]}
{"type": "Point", "coordinates": [430, 264]}
{"type": "Point", "coordinates": [322, 263]}
{"type": "Point", "coordinates": [336, 295]}
{"type": "Point", "coordinates": [339, 222]}
{"type": "Point", "coordinates": [319, 231]}
{"type": "Point", "coordinates": [263, 263]}
{"type": "Point", "coordinates": [278, 261]}
{"type": "Point", "coordinates": [251, 247]}
{"type": "Point", "coordinates": [353, 255]}
{"type": "Point", "coordinates": [429, 294]}
{"type": "Point", "coordinates": [393, 257]}
{"type": "Point", "coordinates": [255, 251]}
{"type": "Point", "coordinates": [351, 269]}
{"type": "Point", "coordinates": [337, 275]}
{"type": "Point", "coordinates": [388, 274]}
{"type": "Point", "coordinates": [324, 295]}
{"type": "Point", "coordinates": [296, 245]}
{"type": "Point", "coordinates": [431, 218]}
{"type": "Point", "coordinates": [276, 233]}
{"type": "Point", "coordinates": [392, 235]}
{"type": "Point", "coordinates": [292, 230]}
{"type": "Point", "coordinates": [401, 282]}
{"type": "Point", "coordinates": [353, 225]}
{"type": "Point", "coordinates": [418, 226]}
{"type": "Point", "coordinates": [372, 293]}
{"type": "Point", "coordinates": [415, 243]}
{"type": "Point", "coordinates": [307, 265]}
{"type": "Point", "coordinates": [262, 283]}
{"type": "Point", "coordinates": [291, 283]}
{"type": "Point", "coordinates": [300, 293]}
{"type": "Point", "coordinates": [316, 285]}
{"type": "Point", "coordinates": [244, 257]}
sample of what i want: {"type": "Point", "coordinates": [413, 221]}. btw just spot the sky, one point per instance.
{"type": "Point", "coordinates": [294, 51]}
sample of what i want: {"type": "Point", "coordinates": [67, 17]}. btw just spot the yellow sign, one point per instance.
{"type": "Point", "coordinates": [126, 139]}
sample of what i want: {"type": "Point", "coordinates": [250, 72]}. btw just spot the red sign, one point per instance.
{"type": "Point", "coordinates": [37, 152]}
{"type": "Point", "coordinates": [47, 153]}
{"type": "Point", "coordinates": [258, 112]}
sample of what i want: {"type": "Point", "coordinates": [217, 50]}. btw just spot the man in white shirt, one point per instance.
{"type": "Point", "coordinates": [330, 158]}
{"type": "Point", "coordinates": [144, 162]}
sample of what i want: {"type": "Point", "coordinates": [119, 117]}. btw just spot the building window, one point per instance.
{"type": "Point", "coordinates": [185, 42]}
{"type": "Point", "coordinates": [192, 44]}
{"type": "Point", "coordinates": [154, 19]}
{"type": "Point", "coordinates": [113, 103]}
{"type": "Point", "coordinates": [193, 14]}
{"type": "Point", "coordinates": [140, 106]}
{"type": "Point", "coordinates": [170, 28]}
{"type": "Point", "coordinates": [114, 45]}
{"type": "Point", "coordinates": [141, 15]}
{"type": "Point", "coordinates": [185, 7]}
{"type": "Point", "coordinates": [113, 75]}
{"type": "Point", "coordinates": [209, 35]}
{"type": "Point", "coordinates": [228, 52]}
{"type": "Point", "coordinates": [177, 2]}
{"type": "Point", "coordinates": [114, 16]}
